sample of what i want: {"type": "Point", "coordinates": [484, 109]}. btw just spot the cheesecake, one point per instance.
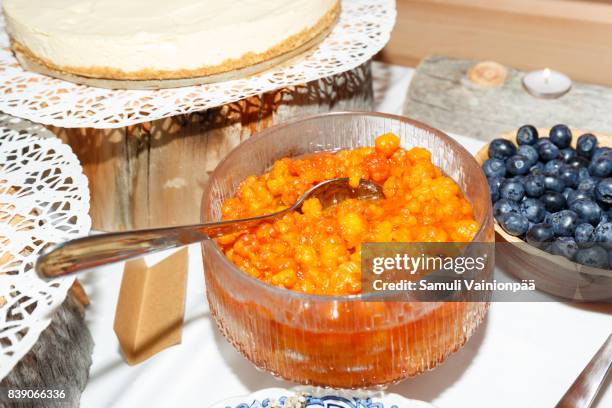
{"type": "Point", "coordinates": [157, 39]}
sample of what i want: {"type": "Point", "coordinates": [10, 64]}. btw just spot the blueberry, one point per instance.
{"type": "Point", "coordinates": [587, 210]}
{"type": "Point", "coordinates": [494, 185]}
{"type": "Point", "coordinates": [501, 149]}
{"type": "Point", "coordinates": [599, 152]}
{"type": "Point", "coordinates": [587, 184]}
{"type": "Point", "coordinates": [494, 193]}
{"type": "Point", "coordinates": [548, 151]}
{"type": "Point", "coordinates": [603, 191]}
{"type": "Point", "coordinates": [533, 209]}
{"type": "Point", "coordinates": [561, 136]}
{"type": "Point", "coordinates": [583, 174]}
{"type": "Point", "coordinates": [552, 167]}
{"type": "Point", "coordinates": [568, 176]}
{"type": "Point", "coordinates": [534, 185]}
{"type": "Point", "coordinates": [553, 201]}
{"type": "Point", "coordinates": [526, 135]}
{"type": "Point", "coordinates": [578, 162]}
{"type": "Point", "coordinates": [514, 224]}
{"type": "Point", "coordinates": [567, 154]}
{"type": "Point", "coordinates": [504, 207]}
{"type": "Point", "coordinates": [584, 234]}
{"type": "Point", "coordinates": [601, 167]}
{"type": "Point", "coordinates": [539, 235]}
{"type": "Point", "coordinates": [541, 141]}
{"type": "Point", "coordinates": [494, 168]}
{"type": "Point", "coordinates": [495, 182]}
{"type": "Point", "coordinates": [578, 195]}
{"type": "Point", "coordinates": [552, 183]}
{"type": "Point", "coordinates": [537, 168]}
{"type": "Point", "coordinates": [548, 217]}
{"type": "Point", "coordinates": [512, 190]}
{"type": "Point", "coordinates": [564, 223]}
{"type": "Point", "coordinates": [594, 256]}
{"type": "Point", "coordinates": [518, 165]}
{"type": "Point", "coordinates": [530, 153]}
{"type": "Point", "coordinates": [604, 218]}
{"type": "Point", "coordinates": [603, 235]}
{"type": "Point", "coordinates": [586, 145]}
{"type": "Point", "coordinates": [564, 246]}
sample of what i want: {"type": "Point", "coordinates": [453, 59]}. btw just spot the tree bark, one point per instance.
{"type": "Point", "coordinates": [59, 360]}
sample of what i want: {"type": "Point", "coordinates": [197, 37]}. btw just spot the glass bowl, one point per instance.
{"type": "Point", "coordinates": [337, 341]}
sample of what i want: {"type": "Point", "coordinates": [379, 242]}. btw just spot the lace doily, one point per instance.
{"type": "Point", "coordinates": [44, 199]}
{"type": "Point", "coordinates": [363, 29]}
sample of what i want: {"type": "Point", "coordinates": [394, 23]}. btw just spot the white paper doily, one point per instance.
{"type": "Point", "coordinates": [362, 30]}
{"type": "Point", "coordinates": [44, 199]}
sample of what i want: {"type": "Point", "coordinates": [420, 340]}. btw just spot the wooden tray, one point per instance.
{"type": "Point", "coordinates": [153, 84]}
{"type": "Point", "coordinates": [553, 274]}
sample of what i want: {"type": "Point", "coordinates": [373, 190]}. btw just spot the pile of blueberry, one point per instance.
{"type": "Point", "coordinates": [555, 197]}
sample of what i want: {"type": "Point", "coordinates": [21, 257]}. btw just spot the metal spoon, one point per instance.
{"type": "Point", "coordinates": [583, 391]}
{"type": "Point", "coordinates": [96, 250]}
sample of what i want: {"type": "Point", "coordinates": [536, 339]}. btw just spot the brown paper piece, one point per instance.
{"type": "Point", "coordinates": [151, 306]}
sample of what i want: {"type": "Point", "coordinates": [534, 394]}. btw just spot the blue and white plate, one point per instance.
{"type": "Point", "coordinates": [277, 397]}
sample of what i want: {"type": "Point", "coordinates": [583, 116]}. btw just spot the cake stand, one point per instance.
{"type": "Point", "coordinates": [147, 153]}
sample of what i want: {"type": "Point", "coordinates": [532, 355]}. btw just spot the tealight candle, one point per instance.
{"type": "Point", "coordinates": [547, 83]}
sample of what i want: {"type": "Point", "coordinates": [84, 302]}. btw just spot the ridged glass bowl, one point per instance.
{"type": "Point", "coordinates": [341, 341]}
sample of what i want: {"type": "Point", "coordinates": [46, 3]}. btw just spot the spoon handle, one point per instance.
{"type": "Point", "coordinates": [583, 391]}
{"type": "Point", "coordinates": [97, 250]}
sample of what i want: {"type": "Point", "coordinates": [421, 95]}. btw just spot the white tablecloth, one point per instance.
{"type": "Point", "coordinates": [524, 355]}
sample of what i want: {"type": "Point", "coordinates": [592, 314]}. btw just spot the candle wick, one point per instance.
{"type": "Point", "coordinates": [546, 75]}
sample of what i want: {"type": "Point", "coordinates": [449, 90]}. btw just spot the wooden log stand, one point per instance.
{"type": "Point", "coordinates": [152, 174]}
{"type": "Point", "coordinates": [442, 96]}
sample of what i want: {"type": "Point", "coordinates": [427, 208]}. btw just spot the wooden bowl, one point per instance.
{"type": "Point", "coordinates": [553, 274]}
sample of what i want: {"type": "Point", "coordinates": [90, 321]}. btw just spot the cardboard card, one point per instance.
{"type": "Point", "coordinates": [151, 305]}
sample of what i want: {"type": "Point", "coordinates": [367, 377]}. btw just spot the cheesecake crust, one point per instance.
{"type": "Point", "coordinates": [231, 64]}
